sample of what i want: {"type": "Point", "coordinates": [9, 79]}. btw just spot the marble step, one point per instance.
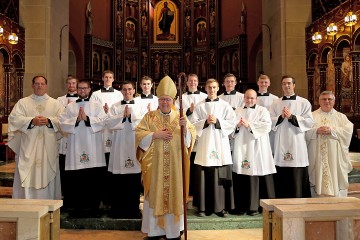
{"type": "Point", "coordinates": [194, 222]}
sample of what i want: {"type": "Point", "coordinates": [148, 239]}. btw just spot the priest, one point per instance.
{"type": "Point", "coordinates": [328, 146]}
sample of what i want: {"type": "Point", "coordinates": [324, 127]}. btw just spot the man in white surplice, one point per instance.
{"type": "Point", "coordinates": [253, 163]}
{"type": "Point", "coordinates": [291, 117]}
{"type": "Point", "coordinates": [328, 148]}
{"type": "Point", "coordinates": [214, 120]}
{"type": "Point", "coordinates": [33, 125]}
{"type": "Point", "coordinates": [124, 116]}
{"type": "Point", "coordinates": [83, 121]}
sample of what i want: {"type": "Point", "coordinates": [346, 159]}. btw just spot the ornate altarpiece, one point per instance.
{"type": "Point", "coordinates": [163, 37]}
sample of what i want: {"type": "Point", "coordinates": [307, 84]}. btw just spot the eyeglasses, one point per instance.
{"type": "Point", "coordinates": [165, 99]}
{"type": "Point", "coordinates": [82, 88]}
{"type": "Point", "coordinates": [326, 99]}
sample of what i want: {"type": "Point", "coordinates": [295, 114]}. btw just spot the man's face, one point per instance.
{"type": "Point", "coordinates": [288, 86]}
{"type": "Point", "coordinates": [83, 90]}
{"type": "Point", "coordinates": [327, 102]}
{"type": "Point", "coordinates": [192, 83]}
{"type": "Point", "coordinates": [146, 86]}
{"type": "Point", "coordinates": [71, 85]}
{"type": "Point", "coordinates": [250, 98]}
{"type": "Point", "coordinates": [212, 89]}
{"type": "Point", "coordinates": [165, 103]}
{"type": "Point", "coordinates": [230, 83]}
{"type": "Point", "coordinates": [128, 92]}
{"type": "Point", "coordinates": [108, 79]}
{"type": "Point", "coordinates": [40, 86]}
{"type": "Point", "coordinates": [263, 84]}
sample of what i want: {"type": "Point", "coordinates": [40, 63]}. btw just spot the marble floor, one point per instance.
{"type": "Point", "coordinates": [238, 234]}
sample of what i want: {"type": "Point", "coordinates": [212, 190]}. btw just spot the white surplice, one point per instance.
{"type": "Point", "coordinates": [109, 98]}
{"type": "Point", "coordinates": [329, 154]}
{"type": "Point", "coordinates": [153, 101]}
{"type": "Point", "coordinates": [37, 173]}
{"type": "Point", "coordinates": [85, 148]}
{"type": "Point", "coordinates": [235, 100]}
{"type": "Point", "coordinates": [213, 147]}
{"type": "Point", "coordinates": [123, 153]}
{"type": "Point", "coordinates": [252, 152]}
{"type": "Point", "coordinates": [290, 148]}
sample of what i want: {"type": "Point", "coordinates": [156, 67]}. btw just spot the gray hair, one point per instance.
{"type": "Point", "coordinates": [327, 93]}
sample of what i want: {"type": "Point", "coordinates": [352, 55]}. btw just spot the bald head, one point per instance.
{"type": "Point", "coordinates": [250, 98]}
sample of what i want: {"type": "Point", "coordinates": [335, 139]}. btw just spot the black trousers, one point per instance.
{"type": "Point", "coordinates": [292, 182]}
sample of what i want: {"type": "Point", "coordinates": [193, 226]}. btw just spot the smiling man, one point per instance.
{"type": "Point", "coordinates": [124, 116]}
{"type": "Point", "coordinates": [33, 124]}
{"type": "Point", "coordinates": [291, 118]}
{"type": "Point", "coordinates": [158, 141]}
{"type": "Point", "coordinates": [214, 120]}
{"type": "Point", "coordinates": [329, 142]}
{"type": "Point", "coordinates": [253, 163]}
{"type": "Point", "coordinates": [146, 97]}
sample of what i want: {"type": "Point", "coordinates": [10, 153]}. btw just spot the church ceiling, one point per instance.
{"type": "Point", "coordinates": [10, 8]}
{"type": "Point", "coordinates": [321, 7]}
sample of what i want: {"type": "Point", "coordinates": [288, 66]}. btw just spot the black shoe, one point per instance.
{"type": "Point", "coordinates": [253, 213]}
{"type": "Point", "coordinates": [200, 214]}
{"type": "Point", "coordinates": [223, 213]}
{"type": "Point", "coordinates": [237, 212]}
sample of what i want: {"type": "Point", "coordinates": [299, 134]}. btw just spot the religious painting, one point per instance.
{"type": "Point", "coordinates": [235, 62]}
{"type": "Point", "coordinates": [166, 24]}
{"type": "Point", "coordinates": [96, 62]}
{"type": "Point", "coordinates": [130, 32]}
{"type": "Point", "coordinates": [201, 33]}
{"type": "Point", "coordinates": [225, 63]}
{"type": "Point", "coordinates": [106, 62]}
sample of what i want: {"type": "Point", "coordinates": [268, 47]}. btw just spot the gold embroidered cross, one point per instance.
{"type": "Point", "coordinates": [324, 121]}
{"type": "Point", "coordinates": [40, 108]}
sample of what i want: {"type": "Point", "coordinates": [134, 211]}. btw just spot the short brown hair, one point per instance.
{"type": "Point", "coordinates": [288, 76]}
{"type": "Point", "coordinates": [107, 71]}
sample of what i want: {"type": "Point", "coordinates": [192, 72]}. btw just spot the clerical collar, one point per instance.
{"type": "Point", "coordinates": [149, 96]}
{"type": "Point", "coordinates": [292, 97]}
{"type": "Point", "coordinates": [127, 102]}
{"type": "Point", "coordinates": [82, 100]}
{"type": "Point", "coordinates": [107, 89]}
{"type": "Point", "coordinates": [36, 97]}
{"type": "Point", "coordinates": [230, 93]}
{"type": "Point", "coordinates": [166, 114]}
{"type": "Point", "coordinates": [253, 107]}
{"type": "Point", "coordinates": [196, 92]}
{"type": "Point", "coordinates": [211, 100]}
{"type": "Point", "coordinates": [263, 94]}
{"type": "Point", "coordinates": [72, 95]}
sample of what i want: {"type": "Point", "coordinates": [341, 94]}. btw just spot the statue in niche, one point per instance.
{"type": "Point", "coordinates": [212, 19]}
{"type": "Point", "coordinates": [144, 63]}
{"type": "Point", "coordinates": [201, 32]}
{"type": "Point", "coordinates": [212, 57]}
{"type": "Point", "coordinates": [316, 80]}
{"type": "Point", "coordinates": [127, 68]}
{"type": "Point", "coordinates": [144, 25]}
{"type": "Point", "coordinates": [89, 22]}
{"type": "Point", "coordinates": [346, 83]}
{"type": "Point", "coordinates": [187, 61]}
{"type": "Point", "coordinates": [204, 68]}
{"type": "Point", "coordinates": [175, 66]}
{"type": "Point", "coordinates": [225, 63]}
{"type": "Point", "coordinates": [236, 62]}
{"type": "Point", "coordinates": [166, 65]}
{"type": "Point", "coordinates": [157, 66]}
{"type": "Point", "coordinates": [106, 62]}
{"type": "Point", "coordinates": [134, 69]}
{"type": "Point", "coordinates": [188, 25]}
{"type": "Point", "coordinates": [118, 57]}
{"type": "Point", "coordinates": [130, 32]}
{"type": "Point", "coordinates": [96, 60]}
{"type": "Point", "coordinates": [197, 65]}
{"type": "Point", "coordinates": [118, 19]}
{"type": "Point", "coordinates": [330, 73]}
{"type": "Point", "coordinates": [243, 18]}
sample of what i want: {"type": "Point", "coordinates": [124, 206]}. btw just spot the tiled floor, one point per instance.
{"type": "Point", "coordinates": [239, 234]}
